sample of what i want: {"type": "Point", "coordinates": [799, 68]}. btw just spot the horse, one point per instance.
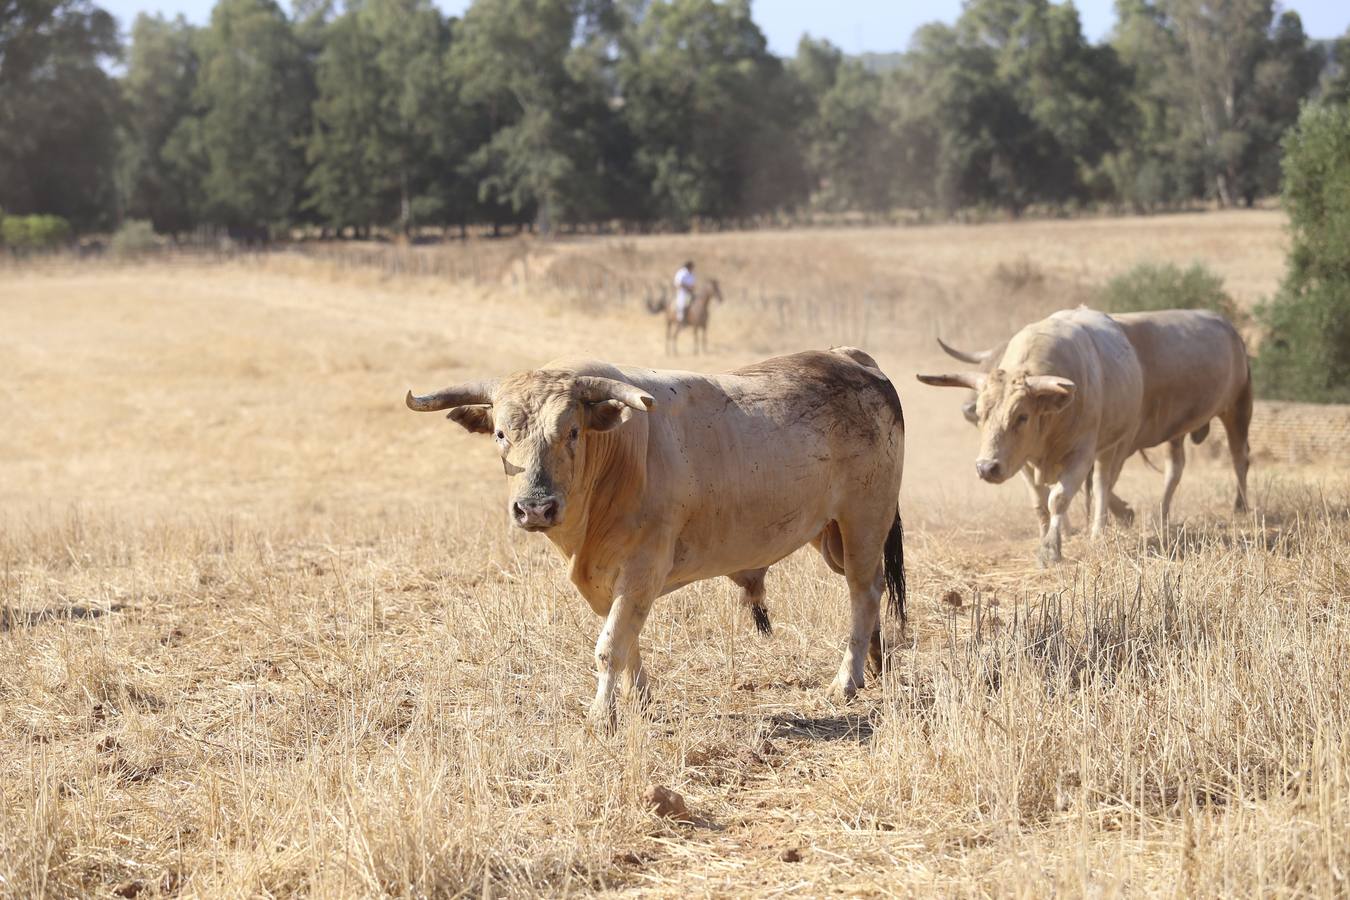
{"type": "Point", "coordinates": [695, 317]}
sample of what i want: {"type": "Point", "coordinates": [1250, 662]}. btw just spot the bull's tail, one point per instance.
{"type": "Point", "coordinates": [762, 623]}
{"type": "Point", "coordinates": [893, 563]}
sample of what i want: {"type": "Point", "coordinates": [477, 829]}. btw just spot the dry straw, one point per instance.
{"type": "Point", "coordinates": [265, 634]}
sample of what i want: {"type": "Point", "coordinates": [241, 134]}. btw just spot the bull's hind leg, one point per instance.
{"type": "Point", "coordinates": [1237, 422]}
{"type": "Point", "coordinates": [752, 596]}
{"type": "Point", "coordinates": [831, 546]}
{"type": "Point", "coordinates": [1176, 462]}
{"type": "Point", "coordinates": [1121, 510]}
{"type": "Point", "coordinates": [862, 564]}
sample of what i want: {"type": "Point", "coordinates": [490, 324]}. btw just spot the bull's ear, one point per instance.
{"type": "Point", "coordinates": [1053, 392]}
{"type": "Point", "coordinates": [475, 419]}
{"type": "Point", "coordinates": [605, 415]}
{"type": "Point", "coordinates": [972, 380]}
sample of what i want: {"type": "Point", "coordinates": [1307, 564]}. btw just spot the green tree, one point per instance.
{"type": "Point", "coordinates": [1305, 354]}
{"type": "Point", "coordinates": [1286, 73]}
{"type": "Point", "coordinates": [347, 150]}
{"type": "Point", "coordinates": [713, 112]}
{"type": "Point", "coordinates": [958, 117]}
{"type": "Point", "coordinates": [1230, 77]}
{"type": "Point", "coordinates": [58, 110]}
{"type": "Point", "coordinates": [253, 99]}
{"type": "Point", "coordinates": [1010, 106]}
{"type": "Point", "coordinates": [528, 69]}
{"type": "Point", "coordinates": [1336, 87]}
{"type": "Point", "coordinates": [157, 88]}
{"type": "Point", "coordinates": [847, 141]}
{"type": "Point", "coordinates": [412, 41]}
{"type": "Point", "coordinates": [1066, 87]}
{"type": "Point", "coordinates": [1154, 165]}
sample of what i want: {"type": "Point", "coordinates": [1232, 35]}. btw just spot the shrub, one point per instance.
{"type": "Point", "coordinates": [1149, 287]}
{"type": "Point", "coordinates": [136, 237]}
{"type": "Point", "coordinates": [1020, 275]}
{"type": "Point", "coordinates": [1305, 354]}
{"type": "Point", "coordinates": [29, 233]}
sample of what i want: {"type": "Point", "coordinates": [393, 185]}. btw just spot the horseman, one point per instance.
{"type": "Point", "coordinates": [684, 291]}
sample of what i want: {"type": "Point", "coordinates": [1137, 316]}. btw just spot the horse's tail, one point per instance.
{"type": "Point", "coordinates": [656, 303]}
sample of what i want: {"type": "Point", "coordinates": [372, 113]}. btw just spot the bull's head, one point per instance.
{"type": "Point", "coordinates": [1012, 410]}
{"type": "Point", "coordinates": [984, 359]}
{"type": "Point", "coordinates": [540, 422]}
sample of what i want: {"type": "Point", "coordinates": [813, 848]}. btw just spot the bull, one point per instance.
{"type": "Point", "coordinates": [1195, 369]}
{"type": "Point", "coordinates": [646, 481]}
{"type": "Point", "coordinates": [1063, 401]}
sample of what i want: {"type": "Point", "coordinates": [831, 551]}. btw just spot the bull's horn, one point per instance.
{"type": "Point", "coordinates": [1050, 384]}
{"type": "Point", "coordinates": [471, 393]}
{"type": "Point", "coordinates": [978, 358]}
{"type": "Point", "coordinates": [972, 380]}
{"type": "Point", "coordinates": [594, 389]}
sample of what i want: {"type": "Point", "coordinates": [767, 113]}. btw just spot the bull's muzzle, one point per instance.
{"type": "Point", "coordinates": [536, 514]}
{"type": "Point", "coordinates": [989, 470]}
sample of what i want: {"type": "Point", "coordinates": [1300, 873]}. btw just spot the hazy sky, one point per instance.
{"type": "Point", "coordinates": [855, 25]}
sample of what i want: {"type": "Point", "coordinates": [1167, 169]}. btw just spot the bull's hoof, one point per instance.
{"type": "Point", "coordinates": [843, 689]}
{"type": "Point", "coordinates": [876, 660]}
{"type": "Point", "coordinates": [1240, 505]}
{"type": "Point", "coordinates": [1125, 517]}
{"type": "Point", "coordinates": [603, 718]}
{"type": "Point", "coordinates": [1048, 556]}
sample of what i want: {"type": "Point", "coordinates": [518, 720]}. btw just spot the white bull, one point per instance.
{"type": "Point", "coordinates": [1195, 369]}
{"type": "Point", "coordinates": [1063, 398]}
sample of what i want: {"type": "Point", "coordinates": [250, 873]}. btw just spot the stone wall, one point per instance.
{"type": "Point", "coordinates": [1292, 433]}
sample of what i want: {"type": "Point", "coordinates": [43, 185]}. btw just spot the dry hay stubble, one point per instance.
{"type": "Point", "coordinates": [328, 667]}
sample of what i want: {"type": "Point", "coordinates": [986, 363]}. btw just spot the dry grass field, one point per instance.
{"type": "Point", "coordinates": [265, 632]}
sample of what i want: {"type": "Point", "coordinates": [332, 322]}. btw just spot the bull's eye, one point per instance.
{"type": "Point", "coordinates": [501, 436]}
{"type": "Point", "coordinates": [1021, 420]}
{"type": "Point", "coordinates": [572, 435]}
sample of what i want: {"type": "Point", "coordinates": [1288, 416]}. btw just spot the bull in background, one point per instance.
{"type": "Point", "coordinates": [1195, 369]}
{"type": "Point", "coordinates": [1064, 401]}
{"type": "Point", "coordinates": [646, 481]}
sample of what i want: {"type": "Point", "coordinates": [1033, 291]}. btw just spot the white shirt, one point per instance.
{"type": "Point", "coordinates": [684, 286]}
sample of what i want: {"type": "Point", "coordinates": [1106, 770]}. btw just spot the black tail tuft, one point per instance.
{"type": "Point", "coordinates": [761, 615]}
{"type": "Point", "coordinates": [893, 561]}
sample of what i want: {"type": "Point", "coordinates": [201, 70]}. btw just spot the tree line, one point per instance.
{"type": "Point", "coordinates": [564, 113]}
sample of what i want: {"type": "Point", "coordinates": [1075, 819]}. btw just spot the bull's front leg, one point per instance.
{"type": "Point", "coordinates": [1105, 472]}
{"type": "Point", "coordinates": [1039, 498]}
{"type": "Point", "coordinates": [617, 655]}
{"type": "Point", "coordinates": [1070, 480]}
